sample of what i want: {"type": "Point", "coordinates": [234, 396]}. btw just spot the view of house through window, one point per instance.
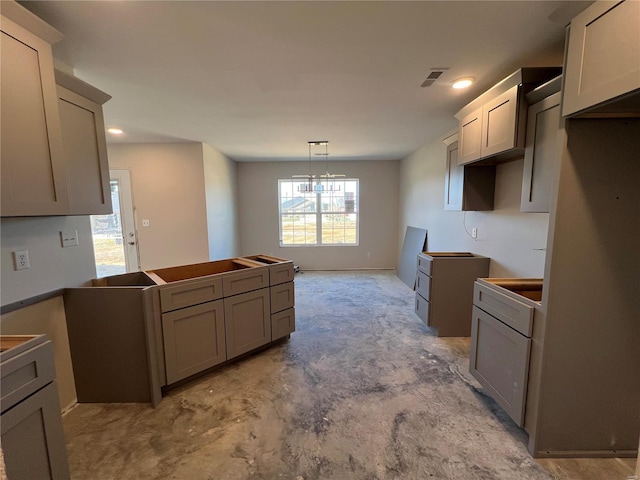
{"type": "Point", "coordinates": [323, 212]}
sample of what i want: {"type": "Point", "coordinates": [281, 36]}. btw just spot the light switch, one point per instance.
{"type": "Point", "coordinates": [145, 222]}
{"type": "Point", "coordinates": [69, 238]}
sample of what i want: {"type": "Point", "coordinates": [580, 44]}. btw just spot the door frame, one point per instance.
{"type": "Point", "coordinates": [128, 218]}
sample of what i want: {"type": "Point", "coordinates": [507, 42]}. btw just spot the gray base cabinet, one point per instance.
{"type": "Point", "coordinates": [444, 290]}
{"type": "Point", "coordinates": [248, 321]}
{"type": "Point", "coordinates": [31, 426]}
{"type": "Point", "coordinates": [193, 340]}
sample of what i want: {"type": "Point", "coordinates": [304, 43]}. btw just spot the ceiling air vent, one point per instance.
{"type": "Point", "coordinates": [433, 76]}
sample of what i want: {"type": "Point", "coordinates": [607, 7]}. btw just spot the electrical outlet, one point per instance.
{"type": "Point", "coordinates": [21, 259]}
{"type": "Point", "coordinates": [474, 232]}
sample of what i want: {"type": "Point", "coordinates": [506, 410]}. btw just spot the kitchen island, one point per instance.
{"type": "Point", "coordinates": [136, 335]}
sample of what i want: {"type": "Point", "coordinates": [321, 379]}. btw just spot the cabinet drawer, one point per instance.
{"type": "Point", "coordinates": [282, 297]}
{"type": "Point", "coordinates": [425, 264]}
{"type": "Point", "coordinates": [283, 323]}
{"type": "Point", "coordinates": [245, 281]}
{"type": "Point", "coordinates": [190, 292]}
{"type": "Point", "coordinates": [515, 314]}
{"type": "Point", "coordinates": [499, 360]}
{"type": "Point", "coordinates": [26, 373]}
{"type": "Point", "coordinates": [423, 285]}
{"type": "Point", "coordinates": [281, 273]}
{"type": "Point", "coordinates": [423, 308]}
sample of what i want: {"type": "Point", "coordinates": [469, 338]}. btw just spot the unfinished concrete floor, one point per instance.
{"type": "Point", "coordinates": [362, 390]}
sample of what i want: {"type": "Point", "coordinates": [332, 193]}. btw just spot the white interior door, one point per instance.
{"type": "Point", "coordinates": [115, 242]}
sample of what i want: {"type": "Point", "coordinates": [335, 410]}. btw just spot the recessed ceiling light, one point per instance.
{"type": "Point", "coordinates": [462, 82]}
{"type": "Point", "coordinates": [115, 131]}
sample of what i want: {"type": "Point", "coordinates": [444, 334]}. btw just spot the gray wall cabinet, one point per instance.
{"type": "Point", "coordinates": [492, 127]}
{"type": "Point", "coordinates": [540, 157]}
{"type": "Point", "coordinates": [602, 58]}
{"type": "Point", "coordinates": [85, 146]}
{"type": "Point", "coordinates": [469, 188]}
{"type": "Point", "coordinates": [444, 290]}
{"type": "Point", "coordinates": [31, 426]}
{"type": "Point", "coordinates": [33, 171]}
{"type": "Point", "coordinates": [54, 152]}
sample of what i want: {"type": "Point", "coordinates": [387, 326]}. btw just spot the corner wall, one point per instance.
{"type": "Point", "coordinates": [220, 184]}
{"type": "Point", "coordinates": [167, 182]}
{"type": "Point", "coordinates": [511, 239]}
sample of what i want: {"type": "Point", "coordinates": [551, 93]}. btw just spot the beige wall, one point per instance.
{"type": "Point", "coordinates": [167, 181]}
{"type": "Point", "coordinates": [258, 209]}
{"type": "Point", "coordinates": [511, 239]}
{"type": "Point", "coordinates": [220, 185]}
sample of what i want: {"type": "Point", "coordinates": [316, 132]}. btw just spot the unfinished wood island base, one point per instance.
{"type": "Point", "coordinates": [134, 335]}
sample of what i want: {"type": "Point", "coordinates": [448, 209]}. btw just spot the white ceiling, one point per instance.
{"type": "Point", "coordinates": [257, 80]}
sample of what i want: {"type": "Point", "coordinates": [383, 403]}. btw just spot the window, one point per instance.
{"type": "Point", "coordinates": [318, 217]}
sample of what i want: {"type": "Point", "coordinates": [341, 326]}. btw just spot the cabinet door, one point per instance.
{"type": "Point", "coordinates": [453, 178]}
{"type": "Point", "coordinates": [193, 339]}
{"type": "Point", "coordinates": [470, 131]}
{"type": "Point", "coordinates": [32, 438]}
{"type": "Point", "coordinates": [247, 321]}
{"type": "Point", "coordinates": [499, 360]}
{"type": "Point", "coordinates": [85, 150]}
{"type": "Point", "coordinates": [602, 55]}
{"type": "Point", "coordinates": [499, 123]}
{"type": "Point", "coordinates": [32, 168]}
{"type": "Point", "coordinates": [543, 124]}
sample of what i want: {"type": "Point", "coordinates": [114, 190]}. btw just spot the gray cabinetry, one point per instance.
{"type": "Point", "coordinates": [540, 155]}
{"type": "Point", "coordinates": [193, 339]}
{"type": "Point", "coordinates": [247, 321]}
{"type": "Point", "coordinates": [31, 426]}
{"type": "Point", "coordinates": [33, 172]}
{"type": "Point", "coordinates": [602, 60]}
{"type": "Point", "coordinates": [502, 325]}
{"type": "Point", "coordinates": [492, 127]}
{"type": "Point", "coordinates": [469, 188]}
{"type": "Point", "coordinates": [444, 291]}
{"type": "Point", "coordinates": [85, 146]}
{"type": "Point", "coordinates": [283, 323]}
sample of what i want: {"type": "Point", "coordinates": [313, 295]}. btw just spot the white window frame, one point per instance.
{"type": "Point", "coordinates": [318, 213]}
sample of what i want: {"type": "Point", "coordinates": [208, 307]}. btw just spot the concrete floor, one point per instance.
{"type": "Point", "coordinates": [362, 390]}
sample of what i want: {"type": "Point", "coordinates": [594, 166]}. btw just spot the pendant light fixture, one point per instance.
{"type": "Point", "coordinates": [319, 183]}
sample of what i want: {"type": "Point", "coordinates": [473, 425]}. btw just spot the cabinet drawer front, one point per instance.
{"type": "Point", "coordinates": [425, 264]}
{"type": "Point", "coordinates": [281, 273]}
{"type": "Point", "coordinates": [189, 292]}
{"type": "Point", "coordinates": [515, 314]}
{"type": "Point", "coordinates": [26, 373]}
{"type": "Point", "coordinates": [499, 360]}
{"type": "Point", "coordinates": [245, 281]}
{"type": "Point", "coordinates": [282, 297]}
{"type": "Point", "coordinates": [193, 340]}
{"type": "Point", "coordinates": [423, 285]}
{"type": "Point", "coordinates": [422, 309]}
{"type": "Point", "coordinates": [283, 323]}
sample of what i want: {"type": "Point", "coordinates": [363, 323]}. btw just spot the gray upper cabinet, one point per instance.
{"type": "Point", "coordinates": [33, 172]}
{"type": "Point", "coordinates": [540, 155]}
{"type": "Point", "coordinates": [492, 127]}
{"type": "Point", "coordinates": [85, 145]}
{"type": "Point", "coordinates": [467, 187]}
{"type": "Point", "coordinates": [602, 61]}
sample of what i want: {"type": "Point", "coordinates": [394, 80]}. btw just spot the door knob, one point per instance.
{"type": "Point", "coordinates": [132, 243]}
